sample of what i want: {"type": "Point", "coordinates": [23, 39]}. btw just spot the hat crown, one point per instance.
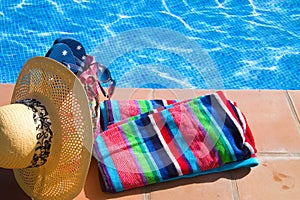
{"type": "Point", "coordinates": [17, 136]}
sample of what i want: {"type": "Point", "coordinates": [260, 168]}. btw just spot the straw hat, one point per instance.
{"type": "Point", "coordinates": [46, 133]}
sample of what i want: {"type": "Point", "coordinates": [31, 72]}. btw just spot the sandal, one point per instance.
{"type": "Point", "coordinates": [63, 54]}
{"type": "Point", "coordinates": [76, 47]}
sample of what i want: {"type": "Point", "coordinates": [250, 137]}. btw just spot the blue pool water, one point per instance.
{"type": "Point", "coordinates": [230, 44]}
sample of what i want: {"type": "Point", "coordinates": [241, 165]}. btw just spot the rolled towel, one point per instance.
{"type": "Point", "coordinates": [170, 141]}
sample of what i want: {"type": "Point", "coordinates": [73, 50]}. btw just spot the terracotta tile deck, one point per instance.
{"type": "Point", "coordinates": [273, 117]}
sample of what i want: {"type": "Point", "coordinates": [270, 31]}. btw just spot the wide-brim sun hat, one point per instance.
{"type": "Point", "coordinates": [46, 134]}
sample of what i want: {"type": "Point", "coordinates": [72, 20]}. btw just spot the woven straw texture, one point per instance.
{"type": "Point", "coordinates": [64, 174]}
{"type": "Point", "coordinates": [16, 142]}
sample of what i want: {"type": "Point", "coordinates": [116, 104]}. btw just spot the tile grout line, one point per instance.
{"type": "Point", "coordinates": [152, 93]}
{"type": "Point", "coordinates": [147, 196]}
{"type": "Point", "coordinates": [147, 193]}
{"type": "Point", "coordinates": [278, 154]}
{"type": "Point", "coordinates": [235, 190]}
{"type": "Point", "coordinates": [293, 109]}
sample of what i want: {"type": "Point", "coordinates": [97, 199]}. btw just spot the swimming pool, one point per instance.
{"type": "Point", "coordinates": [230, 44]}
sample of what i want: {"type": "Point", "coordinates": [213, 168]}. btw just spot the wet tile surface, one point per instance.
{"type": "Point", "coordinates": [275, 178]}
{"type": "Point", "coordinates": [273, 117]}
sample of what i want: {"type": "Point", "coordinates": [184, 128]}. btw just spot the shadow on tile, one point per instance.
{"type": "Point", "coordinates": [9, 188]}
{"type": "Point", "coordinates": [92, 189]}
{"type": "Point", "coordinates": [202, 179]}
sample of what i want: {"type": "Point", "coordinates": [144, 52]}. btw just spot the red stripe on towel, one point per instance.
{"type": "Point", "coordinates": [195, 138]}
{"type": "Point", "coordinates": [122, 158]}
{"type": "Point", "coordinates": [171, 142]}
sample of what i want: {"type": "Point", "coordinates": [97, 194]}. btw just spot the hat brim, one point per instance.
{"type": "Point", "coordinates": [59, 90]}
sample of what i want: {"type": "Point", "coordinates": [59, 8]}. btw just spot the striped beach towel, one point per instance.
{"type": "Point", "coordinates": [114, 111]}
{"type": "Point", "coordinates": [151, 141]}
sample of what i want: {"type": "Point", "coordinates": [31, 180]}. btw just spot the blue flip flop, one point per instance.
{"type": "Point", "coordinates": [62, 53]}
{"type": "Point", "coordinates": [76, 47]}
